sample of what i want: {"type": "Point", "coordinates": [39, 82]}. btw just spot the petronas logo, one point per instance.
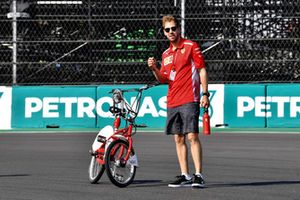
{"type": "Point", "coordinates": [1, 93]}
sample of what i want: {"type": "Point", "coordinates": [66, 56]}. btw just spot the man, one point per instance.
{"type": "Point", "coordinates": [183, 68]}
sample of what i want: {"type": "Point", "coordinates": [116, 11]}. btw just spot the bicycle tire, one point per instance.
{"type": "Point", "coordinates": [114, 168]}
{"type": "Point", "coordinates": [96, 170]}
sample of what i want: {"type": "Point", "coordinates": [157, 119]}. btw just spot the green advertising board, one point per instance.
{"type": "Point", "coordinates": [237, 105]}
{"type": "Point", "coordinates": [262, 105]}
{"type": "Point", "coordinates": [88, 106]}
{"type": "Point", "coordinates": [53, 106]}
{"type": "Point", "coordinates": [244, 105]}
{"type": "Point", "coordinates": [283, 105]}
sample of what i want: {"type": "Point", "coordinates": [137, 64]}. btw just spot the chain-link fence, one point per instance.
{"type": "Point", "coordinates": [109, 41]}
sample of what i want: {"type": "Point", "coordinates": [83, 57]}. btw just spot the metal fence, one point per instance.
{"type": "Point", "coordinates": [109, 41]}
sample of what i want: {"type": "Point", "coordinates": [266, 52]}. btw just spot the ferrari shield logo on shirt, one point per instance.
{"type": "Point", "coordinates": [168, 60]}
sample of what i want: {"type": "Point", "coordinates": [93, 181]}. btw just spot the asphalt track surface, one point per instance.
{"type": "Point", "coordinates": [236, 166]}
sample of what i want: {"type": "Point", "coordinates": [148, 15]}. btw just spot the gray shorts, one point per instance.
{"type": "Point", "coordinates": [183, 119]}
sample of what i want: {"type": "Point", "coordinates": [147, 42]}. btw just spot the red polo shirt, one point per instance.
{"type": "Point", "coordinates": [180, 68]}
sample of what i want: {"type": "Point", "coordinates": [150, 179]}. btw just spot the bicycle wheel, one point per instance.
{"type": "Point", "coordinates": [119, 172]}
{"type": "Point", "coordinates": [95, 170]}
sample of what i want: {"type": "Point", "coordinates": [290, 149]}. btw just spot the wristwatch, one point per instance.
{"type": "Point", "coordinates": [206, 93]}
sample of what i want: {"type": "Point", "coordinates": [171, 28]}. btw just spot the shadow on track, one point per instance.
{"type": "Point", "coordinates": [262, 183]}
{"type": "Point", "coordinates": [13, 175]}
{"type": "Point", "coordinates": [147, 183]}
{"type": "Point", "coordinates": [140, 183]}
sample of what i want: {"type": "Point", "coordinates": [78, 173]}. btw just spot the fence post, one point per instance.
{"type": "Point", "coordinates": [182, 18]}
{"type": "Point", "coordinates": [14, 27]}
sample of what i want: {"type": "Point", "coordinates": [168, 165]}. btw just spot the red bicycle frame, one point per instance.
{"type": "Point", "coordinates": [124, 133]}
{"type": "Point", "coordinates": [127, 133]}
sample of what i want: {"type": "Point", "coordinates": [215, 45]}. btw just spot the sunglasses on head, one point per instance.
{"type": "Point", "coordinates": [172, 28]}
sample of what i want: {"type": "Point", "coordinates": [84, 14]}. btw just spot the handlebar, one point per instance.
{"type": "Point", "coordinates": [129, 113]}
{"type": "Point", "coordinates": [145, 87]}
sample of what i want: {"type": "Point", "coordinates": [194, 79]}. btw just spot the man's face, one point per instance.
{"type": "Point", "coordinates": [171, 31]}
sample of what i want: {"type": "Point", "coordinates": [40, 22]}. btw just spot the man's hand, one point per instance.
{"type": "Point", "coordinates": [204, 101]}
{"type": "Point", "coordinates": [153, 66]}
{"type": "Point", "coordinates": [152, 63]}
